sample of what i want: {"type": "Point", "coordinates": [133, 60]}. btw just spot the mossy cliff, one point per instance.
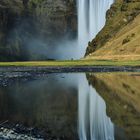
{"type": "Point", "coordinates": [55, 18]}
{"type": "Point", "coordinates": [10, 11]}
{"type": "Point", "coordinates": [119, 20]}
{"type": "Point", "coordinates": [25, 20]}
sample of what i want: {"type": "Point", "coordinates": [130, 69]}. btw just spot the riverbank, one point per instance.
{"type": "Point", "coordinates": [9, 74]}
{"type": "Point", "coordinates": [39, 70]}
{"type": "Point", "coordinates": [72, 63]}
{"type": "Point", "coordinates": [19, 132]}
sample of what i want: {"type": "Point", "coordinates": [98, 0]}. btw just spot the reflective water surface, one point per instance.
{"type": "Point", "coordinates": [90, 106]}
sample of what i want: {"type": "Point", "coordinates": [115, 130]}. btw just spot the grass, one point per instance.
{"type": "Point", "coordinates": [69, 63]}
{"type": "Point", "coordinates": [124, 45]}
{"type": "Point", "coordinates": [124, 13]}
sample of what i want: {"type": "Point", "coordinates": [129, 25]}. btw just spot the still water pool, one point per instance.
{"type": "Point", "coordinates": [72, 106]}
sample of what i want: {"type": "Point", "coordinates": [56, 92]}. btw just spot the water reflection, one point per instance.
{"type": "Point", "coordinates": [94, 124]}
{"type": "Point", "coordinates": [49, 103]}
{"type": "Point", "coordinates": [121, 91]}
{"type": "Point", "coordinates": [54, 102]}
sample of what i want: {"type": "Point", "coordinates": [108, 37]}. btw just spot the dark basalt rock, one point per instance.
{"type": "Point", "coordinates": [24, 20]}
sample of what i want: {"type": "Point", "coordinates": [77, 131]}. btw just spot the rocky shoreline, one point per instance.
{"type": "Point", "coordinates": [17, 131]}
{"type": "Point", "coordinates": [65, 69]}
{"type": "Point", "coordinates": [9, 74]}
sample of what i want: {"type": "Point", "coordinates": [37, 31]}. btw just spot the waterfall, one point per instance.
{"type": "Point", "coordinates": [91, 19]}
{"type": "Point", "coordinates": [94, 124]}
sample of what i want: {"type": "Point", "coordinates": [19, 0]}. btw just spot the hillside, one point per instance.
{"type": "Point", "coordinates": [119, 39]}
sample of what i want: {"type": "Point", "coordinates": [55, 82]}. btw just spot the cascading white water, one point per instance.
{"type": "Point", "coordinates": [91, 19]}
{"type": "Point", "coordinates": [93, 121]}
{"type": "Point", "coordinates": [94, 124]}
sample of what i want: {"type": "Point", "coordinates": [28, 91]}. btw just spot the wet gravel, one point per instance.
{"type": "Point", "coordinates": [12, 131]}
{"type": "Point", "coordinates": [71, 69]}
{"type": "Point", "coordinates": [10, 74]}
{"type": "Point", "coordinates": [9, 131]}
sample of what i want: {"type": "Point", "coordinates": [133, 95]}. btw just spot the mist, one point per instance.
{"type": "Point", "coordinates": [63, 49]}
{"type": "Point", "coordinates": [40, 44]}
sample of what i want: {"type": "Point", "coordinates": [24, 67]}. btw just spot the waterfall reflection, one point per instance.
{"type": "Point", "coordinates": [94, 124]}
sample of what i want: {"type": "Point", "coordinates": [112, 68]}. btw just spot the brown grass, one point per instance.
{"type": "Point", "coordinates": [115, 49]}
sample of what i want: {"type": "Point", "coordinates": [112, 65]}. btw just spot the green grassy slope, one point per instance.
{"type": "Point", "coordinates": [122, 14]}
{"type": "Point", "coordinates": [72, 63]}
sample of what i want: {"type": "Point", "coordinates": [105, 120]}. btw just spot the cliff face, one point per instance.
{"type": "Point", "coordinates": [118, 37]}
{"type": "Point", "coordinates": [10, 11]}
{"type": "Point", "coordinates": [54, 18]}
{"type": "Point", "coordinates": [24, 20]}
